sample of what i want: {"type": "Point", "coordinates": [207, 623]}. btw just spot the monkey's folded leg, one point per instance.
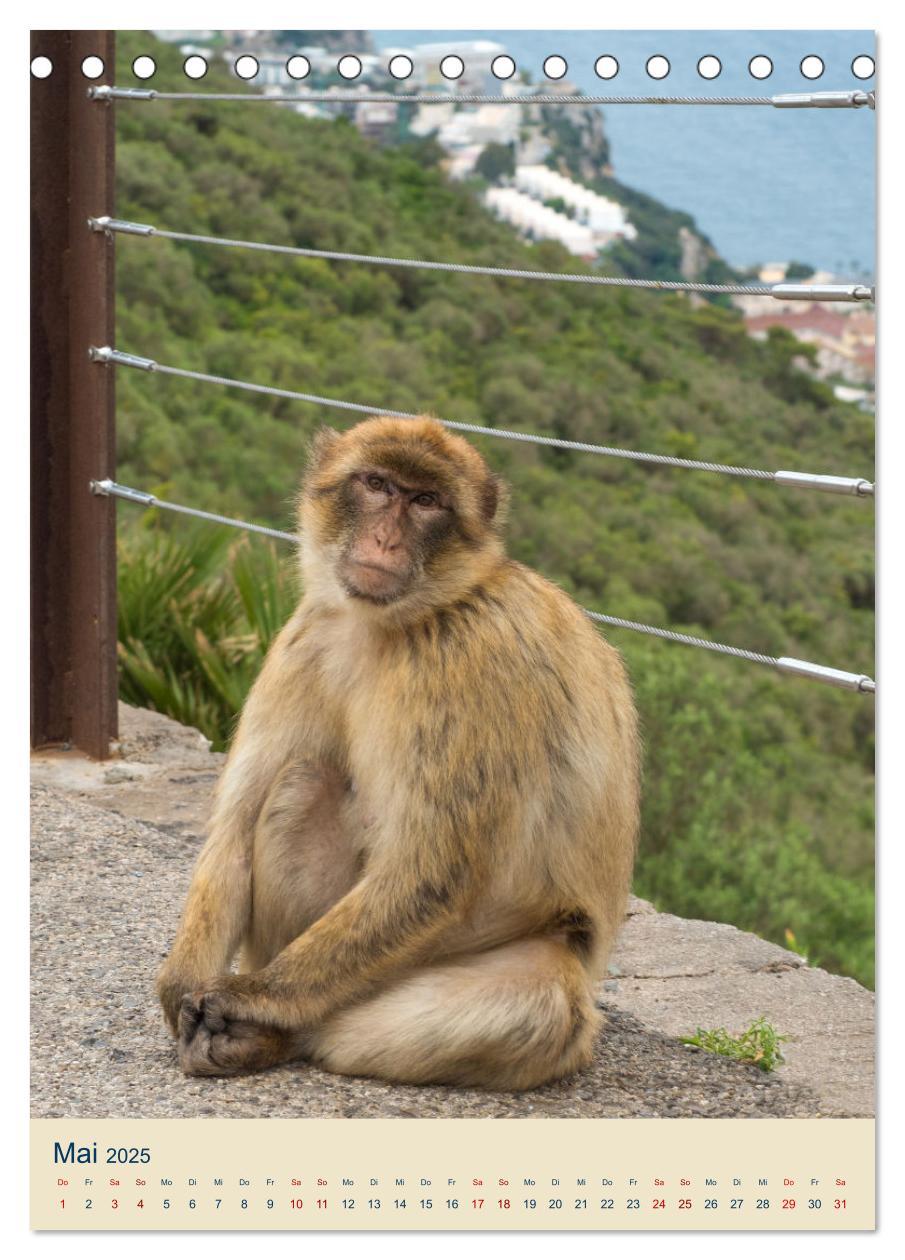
{"type": "Point", "coordinates": [512, 1017]}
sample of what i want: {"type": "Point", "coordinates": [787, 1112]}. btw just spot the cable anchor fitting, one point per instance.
{"type": "Point", "coordinates": [104, 223]}
{"type": "Point", "coordinates": [104, 92]}
{"type": "Point", "coordinates": [110, 488]}
{"type": "Point", "coordinates": [824, 292]}
{"type": "Point", "coordinates": [106, 354]}
{"type": "Point", "coordinates": [835, 677]}
{"type": "Point", "coordinates": [859, 486]}
{"type": "Point", "coordinates": [825, 100]}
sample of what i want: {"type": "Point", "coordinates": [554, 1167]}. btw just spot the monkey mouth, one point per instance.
{"type": "Point", "coordinates": [373, 582]}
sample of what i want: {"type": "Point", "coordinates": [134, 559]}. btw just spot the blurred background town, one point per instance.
{"type": "Point", "coordinates": [532, 168]}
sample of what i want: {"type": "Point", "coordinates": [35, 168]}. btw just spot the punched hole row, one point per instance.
{"type": "Point", "coordinates": [452, 67]}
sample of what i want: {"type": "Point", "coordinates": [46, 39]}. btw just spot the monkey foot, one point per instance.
{"type": "Point", "coordinates": [213, 1044]}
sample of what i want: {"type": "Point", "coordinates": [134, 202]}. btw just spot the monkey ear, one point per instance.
{"type": "Point", "coordinates": [322, 445]}
{"type": "Point", "coordinates": [490, 497]}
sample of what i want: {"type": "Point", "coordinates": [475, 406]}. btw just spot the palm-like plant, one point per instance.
{"type": "Point", "coordinates": [197, 613]}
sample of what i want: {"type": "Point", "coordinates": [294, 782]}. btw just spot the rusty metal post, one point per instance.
{"type": "Point", "coordinates": [73, 533]}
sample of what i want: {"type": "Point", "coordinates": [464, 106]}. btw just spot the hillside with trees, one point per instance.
{"type": "Point", "coordinates": [758, 802]}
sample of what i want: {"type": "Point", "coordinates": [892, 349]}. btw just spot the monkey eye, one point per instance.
{"type": "Point", "coordinates": [374, 482]}
{"type": "Point", "coordinates": [427, 498]}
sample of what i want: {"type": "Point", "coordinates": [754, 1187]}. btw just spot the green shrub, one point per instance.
{"type": "Point", "coordinates": [196, 617]}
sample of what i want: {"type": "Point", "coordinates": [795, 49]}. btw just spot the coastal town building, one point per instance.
{"type": "Point", "coordinates": [845, 336]}
{"type": "Point", "coordinates": [845, 342]}
{"type": "Point", "coordinates": [606, 218]}
{"type": "Point", "coordinates": [538, 222]}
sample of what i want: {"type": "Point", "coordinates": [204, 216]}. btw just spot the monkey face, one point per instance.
{"type": "Point", "coordinates": [397, 514]}
{"type": "Point", "coordinates": [396, 526]}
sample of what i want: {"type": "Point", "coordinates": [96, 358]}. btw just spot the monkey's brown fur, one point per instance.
{"type": "Point", "coordinates": [423, 838]}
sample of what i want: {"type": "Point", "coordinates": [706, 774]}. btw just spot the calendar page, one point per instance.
{"type": "Point", "coordinates": [452, 629]}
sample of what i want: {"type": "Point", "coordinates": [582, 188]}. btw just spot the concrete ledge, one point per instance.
{"type": "Point", "coordinates": [677, 974]}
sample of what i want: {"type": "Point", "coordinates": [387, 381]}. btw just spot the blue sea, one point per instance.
{"type": "Point", "coordinates": [764, 184]}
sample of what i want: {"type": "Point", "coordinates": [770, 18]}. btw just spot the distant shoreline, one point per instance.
{"type": "Point", "coordinates": [759, 182]}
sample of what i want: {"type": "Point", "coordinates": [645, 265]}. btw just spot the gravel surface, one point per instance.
{"type": "Point", "coordinates": [107, 891]}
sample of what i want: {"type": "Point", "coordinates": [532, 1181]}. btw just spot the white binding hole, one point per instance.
{"type": "Point", "coordinates": [194, 67]}
{"type": "Point", "coordinates": [606, 67]}
{"type": "Point", "coordinates": [246, 66]}
{"type": "Point", "coordinates": [812, 67]}
{"type": "Point", "coordinates": [41, 67]}
{"type": "Point", "coordinates": [864, 67]}
{"type": "Point", "coordinates": [555, 67]}
{"type": "Point", "coordinates": [502, 67]}
{"type": "Point", "coordinates": [92, 67]}
{"type": "Point", "coordinates": [349, 66]}
{"type": "Point", "coordinates": [400, 66]}
{"type": "Point", "coordinates": [144, 67]}
{"type": "Point", "coordinates": [710, 67]}
{"type": "Point", "coordinates": [760, 67]}
{"type": "Point", "coordinates": [298, 67]}
{"type": "Point", "coordinates": [452, 67]}
{"type": "Point", "coordinates": [657, 66]}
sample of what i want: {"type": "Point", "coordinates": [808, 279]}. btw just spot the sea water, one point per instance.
{"type": "Point", "coordinates": [764, 184]}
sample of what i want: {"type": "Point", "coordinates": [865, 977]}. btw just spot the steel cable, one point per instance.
{"type": "Point", "coordinates": [856, 99]}
{"type": "Point", "coordinates": [857, 486]}
{"type": "Point", "coordinates": [800, 292]}
{"type": "Point", "coordinates": [822, 673]}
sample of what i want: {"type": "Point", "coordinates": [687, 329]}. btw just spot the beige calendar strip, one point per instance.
{"type": "Point", "coordinates": [452, 1174]}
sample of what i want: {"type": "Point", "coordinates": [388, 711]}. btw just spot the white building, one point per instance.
{"type": "Point", "coordinates": [375, 118]}
{"type": "Point", "coordinates": [430, 118]}
{"type": "Point", "coordinates": [486, 124]}
{"type": "Point", "coordinates": [461, 163]}
{"type": "Point", "coordinates": [606, 218]}
{"type": "Point", "coordinates": [539, 222]}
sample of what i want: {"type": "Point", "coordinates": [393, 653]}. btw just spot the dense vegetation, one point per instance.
{"type": "Point", "coordinates": [758, 802]}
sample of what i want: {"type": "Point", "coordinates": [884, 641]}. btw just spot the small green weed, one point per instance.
{"type": "Point", "coordinates": [758, 1045]}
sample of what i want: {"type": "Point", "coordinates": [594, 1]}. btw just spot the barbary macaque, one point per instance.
{"type": "Point", "coordinates": [422, 841]}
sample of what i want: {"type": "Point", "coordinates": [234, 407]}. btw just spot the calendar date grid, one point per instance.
{"type": "Point", "coordinates": [389, 1195]}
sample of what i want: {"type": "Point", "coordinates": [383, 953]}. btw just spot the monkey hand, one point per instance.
{"type": "Point", "coordinates": [172, 985]}
{"type": "Point", "coordinates": [219, 1036]}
